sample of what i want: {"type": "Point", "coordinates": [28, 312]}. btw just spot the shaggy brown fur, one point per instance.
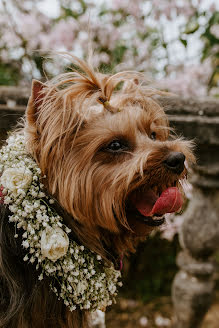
{"type": "Point", "coordinates": [71, 123]}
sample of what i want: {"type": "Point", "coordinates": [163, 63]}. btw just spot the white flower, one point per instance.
{"type": "Point", "coordinates": [72, 308]}
{"type": "Point", "coordinates": [25, 244]}
{"type": "Point", "coordinates": [15, 179]}
{"type": "Point", "coordinates": [67, 230]}
{"type": "Point", "coordinates": [40, 277]}
{"type": "Point", "coordinates": [54, 243]}
{"type": "Point", "coordinates": [87, 305]}
{"type": "Point", "coordinates": [81, 287]}
{"type": "Point", "coordinates": [32, 259]}
{"type": "Point", "coordinates": [41, 194]}
{"type": "Point", "coordinates": [7, 200]}
{"type": "Point", "coordinates": [25, 258]}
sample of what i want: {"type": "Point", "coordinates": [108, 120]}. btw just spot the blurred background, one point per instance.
{"type": "Point", "coordinates": [175, 42]}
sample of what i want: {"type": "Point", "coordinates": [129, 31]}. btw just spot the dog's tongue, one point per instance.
{"type": "Point", "coordinates": [148, 203]}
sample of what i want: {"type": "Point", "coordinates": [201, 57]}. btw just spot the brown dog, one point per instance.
{"type": "Point", "coordinates": [106, 156]}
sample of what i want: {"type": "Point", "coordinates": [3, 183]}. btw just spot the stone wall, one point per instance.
{"type": "Point", "coordinates": [197, 120]}
{"type": "Point", "coordinates": [13, 102]}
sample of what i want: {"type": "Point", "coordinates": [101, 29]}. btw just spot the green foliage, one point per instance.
{"type": "Point", "coordinates": [210, 39]}
{"type": "Point", "coordinates": [192, 26]}
{"type": "Point", "coordinates": [211, 42]}
{"type": "Point", "coordinates": [118, 53]}
{"type": "Point", "coordinates": [151, 270]}
{"type": "Point", "coordinates": [9, 74]}
{"type": "Point", "coordinates": [135, 35]}
{"type": "Point", "coordinates": [184, 42]}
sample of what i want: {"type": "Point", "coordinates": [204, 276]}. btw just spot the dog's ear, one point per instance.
{"type": "Point", "coordinates": [35, 100]}
{"type": "Point", "coordinates": [36, 92]}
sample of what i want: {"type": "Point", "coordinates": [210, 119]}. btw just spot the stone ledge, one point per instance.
{"type": "Point", "coordinates": [17, 94]}
{"type": "Point", "coordinates": [196, 106]}
{"type": "Point", "coordinates": [196, 119]}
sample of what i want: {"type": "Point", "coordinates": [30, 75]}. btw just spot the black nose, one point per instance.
{"type": "Point", "coordinates": [175, 162]}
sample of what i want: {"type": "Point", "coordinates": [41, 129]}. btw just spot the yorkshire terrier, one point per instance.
{"type": "Point", "coordinates": [108, 159]}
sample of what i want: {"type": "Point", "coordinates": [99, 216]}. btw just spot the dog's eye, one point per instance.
{"type": "Point", "coordinates": [153, 135]}
{"type": "Point", "coordinates": [117, 146]}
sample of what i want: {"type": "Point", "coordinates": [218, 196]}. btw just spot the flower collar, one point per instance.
{"type": "Point", "coordinates": [77, 275]}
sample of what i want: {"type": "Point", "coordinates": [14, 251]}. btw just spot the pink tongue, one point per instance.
{"type": "Point", "coordinates": [169, 201]}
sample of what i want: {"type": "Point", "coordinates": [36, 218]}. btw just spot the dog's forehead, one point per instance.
{"type": "Point", "coordinates": [133, 114]}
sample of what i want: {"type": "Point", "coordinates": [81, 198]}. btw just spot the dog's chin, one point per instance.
{"type": "Point", "coordinates": [142, 225]}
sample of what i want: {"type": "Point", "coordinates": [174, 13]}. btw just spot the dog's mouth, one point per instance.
{"type": "Point", "coordinates": [150, 205]}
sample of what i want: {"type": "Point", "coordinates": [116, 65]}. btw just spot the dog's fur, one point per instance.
{"type": "Point", "coordinates": [68, 133]}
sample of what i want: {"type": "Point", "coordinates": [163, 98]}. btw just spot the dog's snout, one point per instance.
{"type": "Point", "coordinates": [175, 162]}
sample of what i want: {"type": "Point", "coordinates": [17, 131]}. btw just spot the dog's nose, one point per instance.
{"type": "Point", "coordinates": [175, 162]}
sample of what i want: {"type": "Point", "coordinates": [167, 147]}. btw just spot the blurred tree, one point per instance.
{"type": "Point", "coordinates": [173, 41]}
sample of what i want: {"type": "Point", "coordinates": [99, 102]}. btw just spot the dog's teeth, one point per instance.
{"type": "Point", "coordinates": [158, 217]}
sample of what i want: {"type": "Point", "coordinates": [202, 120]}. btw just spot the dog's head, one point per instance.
{"type": "Point", "coordinates": [106, 150]}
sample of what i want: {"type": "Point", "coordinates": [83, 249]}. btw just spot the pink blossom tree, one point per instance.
{"type": "Point", "coordinates": [175, 42]}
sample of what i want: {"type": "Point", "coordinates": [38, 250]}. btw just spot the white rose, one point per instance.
{"type": "Point", "coordinates": [54, 243]}
{"type": "Point", "coordinates": [14, 178]}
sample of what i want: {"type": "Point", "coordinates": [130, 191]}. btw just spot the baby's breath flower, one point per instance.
{"type": "Point", "coordinates": [40, 277]}
{"type": "Point", "coordinates": [25, 244]}
{"type": "Point", "coordinates": [25, 258]}
{"type": "Point", "coordinates": [32, 259]}
{"type": "Point", "coordinates": [68, 231]}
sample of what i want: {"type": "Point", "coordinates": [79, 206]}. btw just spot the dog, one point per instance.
{"type": "Point", "coordinates": [109, 167]}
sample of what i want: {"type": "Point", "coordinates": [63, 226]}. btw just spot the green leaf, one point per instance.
{"type": "Point", "coordinates": [9, 74]}
{"type": "Point", "coordinates": [191, 27]}
{"type": "Point", "coordinates": [184, 42]}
